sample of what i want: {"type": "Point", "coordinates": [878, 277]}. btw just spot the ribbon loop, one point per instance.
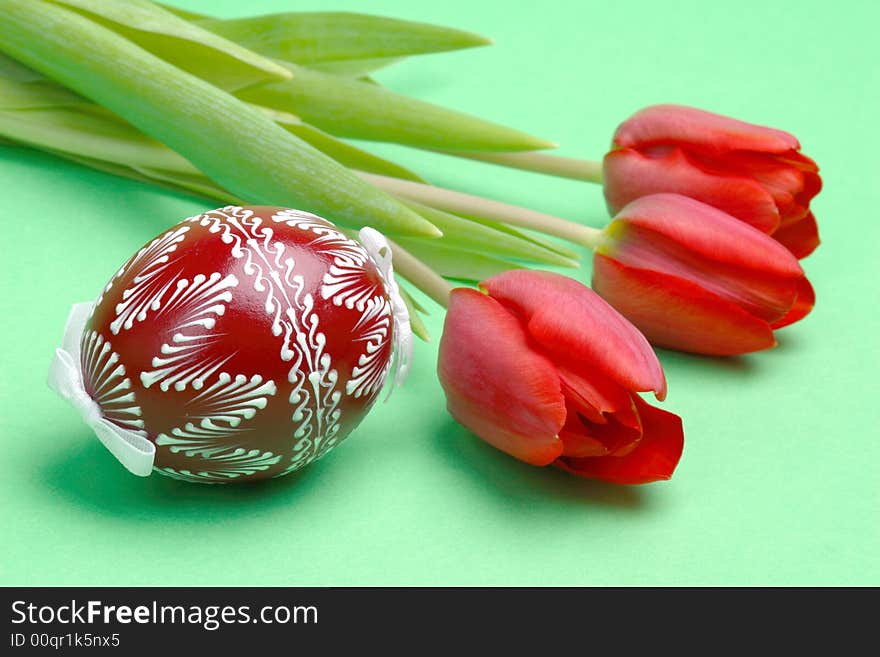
{"type": "Point", "coordinates": [379, 250]}
{"type": "Point", "coordinates": [133, 450]}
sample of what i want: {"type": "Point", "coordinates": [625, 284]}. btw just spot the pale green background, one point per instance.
{"type": "Point", "coordinates": [779, 480]}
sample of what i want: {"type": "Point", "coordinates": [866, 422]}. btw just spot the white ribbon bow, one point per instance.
{"type": "Point", "coordinates": [379, 250]}
{"type": "Point", "coordinates": [134, 451]}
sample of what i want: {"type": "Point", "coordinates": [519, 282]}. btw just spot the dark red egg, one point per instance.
{"type": "Point", "coordinates": [244, 343]}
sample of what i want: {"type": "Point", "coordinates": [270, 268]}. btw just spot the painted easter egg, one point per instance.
{"type": "Point", "coordinates": [243, 343]}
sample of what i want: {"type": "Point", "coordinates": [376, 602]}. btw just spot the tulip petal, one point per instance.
{"type": "Point", "coordinates": [802, 307]}
{"type": "Point", "coordinates": [791, 179]}
{"type": "Point", "coordinates": [496, 385]}
{"type": "Point", "coordinates": [572, 324]}
{"type": "Point", "coordinates": [575, 402]}
{"type": "Point", "coordinates": [621, 434]}
{"type": "Point", "coordinates": [677, 313]}
{"type": "Point", "coordinates": [654, 459]}
{"type": "Point", "coordinates": [812, 186]}
{"type": "Point", "coordinates": [710, 233]}
{"type": "Point", "coordinates": [592, 393]}
{"type": "Point", "coordinates": [682, 237]}
{"type": "Point", "coordinates": [599, 410]}
{"type": "Point", "coordinates": [629, 174]}
{"type": "Point", "coordinates": [801, 238]}
{"type": "Point", "coordinates": [582, 438]}
{"type": "Point", "coordinates": [576, 441]}
{"type": "Point", "coordinates": [812, 181]}
{"type": "Point", "coordinates": [701, 130]}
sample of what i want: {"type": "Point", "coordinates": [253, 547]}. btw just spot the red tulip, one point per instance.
{"type": "Point", "coordinates": [754, 173]}
{"type": "Point", "coordinates": [542, 368]}
{"type": "Point", "coordinates": [693, 278]}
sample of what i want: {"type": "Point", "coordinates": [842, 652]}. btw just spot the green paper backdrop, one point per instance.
{"type": "Point", "coordinates": [779, 480]}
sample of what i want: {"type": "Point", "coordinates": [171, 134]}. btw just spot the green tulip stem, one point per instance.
{"type": "Point", "coordinates": [484, 208]}
{"type": "Point", "coordinates": [420, 275]}
{"type": "Point", "coordinates": [552, 165]}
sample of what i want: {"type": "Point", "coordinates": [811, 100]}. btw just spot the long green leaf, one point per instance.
{"type": "Point", "coordinates": [87, 130]}
{"type": "Point", "coordinates": [452, 263]}
{"type": "Point", "coordinates": [344, 153]}
{"type": "Point", "coordinates": [36, 95]}
{"type": "Point", "coordinates": [13, 70]}
{"type": "Point", "coordinates": [415, 315]}
{"type": "Point", "coordinates": [175, 181]}
{"type": "Point", "coordinates": [338, 105]}
{"type": "Point", "coordinates": [88, 133]}
{"type": "Point", "coordinates": [196, 184]}
{"type": "Point", "coordinates": [545, 243]}
{"type": "Point", "coordinates": [186, 14]}
{"type": "Point", "coordinates": [475, 237]}
{"type": "Point", "coordinates": [317, 37]}
{"type": "Point", "coordinates": [359, 110]}
{"type": "Point", "coordinates": [354, 68]}
{"type": "Point", "coordinates": [233, 143]}
{"type": "Point", "coordinates": [201, 52]}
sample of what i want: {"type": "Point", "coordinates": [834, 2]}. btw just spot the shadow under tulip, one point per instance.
{"type": "Point", "coordinates": [87, 476]}
{"type": "Point", "coordinates": [742, 366]}
{"type": "Point", "coordinates": [514, 483]}
{"type": "Point", "coordinates": [788, 342]}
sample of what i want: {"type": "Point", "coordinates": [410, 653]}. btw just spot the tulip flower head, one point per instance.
{"type": "Point", "coordinates": [751, 172]}
{"type": "Point", "coordinates": [542, 368]}
{"type": "Point", "coordinates": [693, 278]}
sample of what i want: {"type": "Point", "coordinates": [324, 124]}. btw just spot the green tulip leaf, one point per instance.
{"type": "Point", "coordinates": [415, 312]}
{"type": "Point", "coordinates": [452, 263]}
{"type": "Point", "coordinates": [354, 68]}
{"type": "Point", "coordinates": [196, 184]}
{"type": "Point", "coordinates": [234, 144]}
{"type": "Point", "coordinates": [199, 51]}
{"type": "Point", "coordinates": [345, 153]}
{"type": "Point", "coordinates": [359, 110]}
{"type": "Point", "coordinates": [556, 247]}
{"type": "Point", "coordinates": [318, 37]}
{"type": "Point", "coordinates": [174, 181]}
{"type": "Point", "coordinates": [475, 237]}
{"type": "Point", "coordinates": [17, 72]}
{"type": "Point", "coordinates": [37, 94]}
{"type": "Point", "coordinates": [87, 132]}
{"type": "Point", "coordinates": [417, 306]}
{"type": "Point", "coordinates": [186, 14]}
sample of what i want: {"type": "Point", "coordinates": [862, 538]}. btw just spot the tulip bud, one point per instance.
{"type": "Point", "coordinates": [753, 173]}
{"type": "Point", "coordinates": [543, 369]}
{"type": "Point", "coordinates": [693, 278]}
